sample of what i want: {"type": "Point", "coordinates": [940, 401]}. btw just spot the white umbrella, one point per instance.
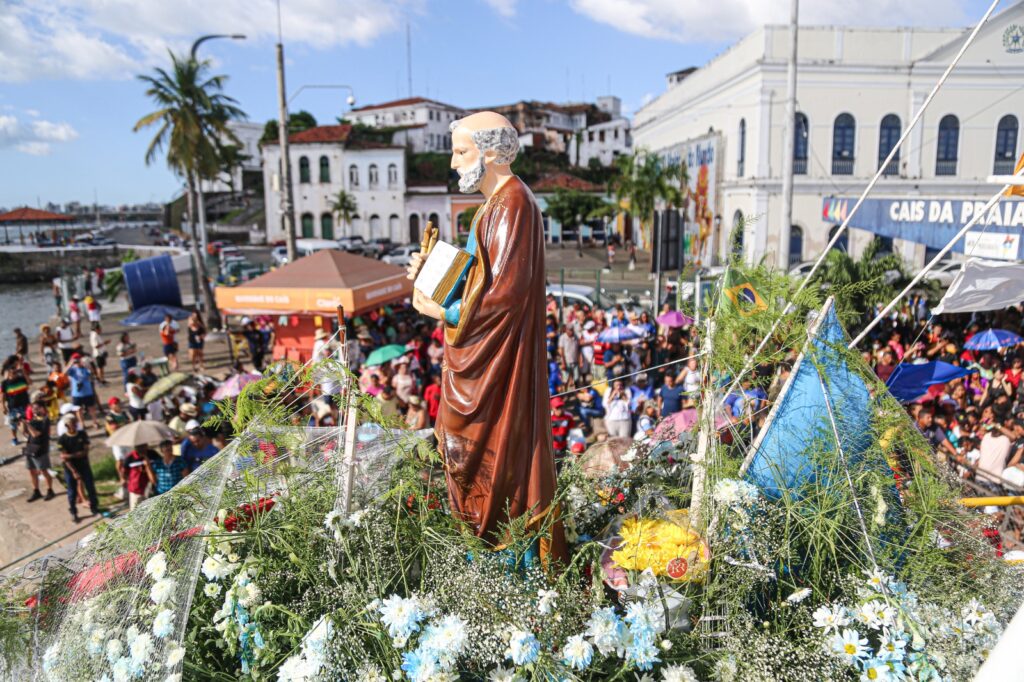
{"type": "Point", "coordinates": [139, 433]}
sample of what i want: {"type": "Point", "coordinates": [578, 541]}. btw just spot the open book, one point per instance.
{"type": "Point", "coordinates": [443, 273]}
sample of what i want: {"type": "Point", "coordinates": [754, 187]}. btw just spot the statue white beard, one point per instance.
{"type": "Point", "coordinates": [470, 181]}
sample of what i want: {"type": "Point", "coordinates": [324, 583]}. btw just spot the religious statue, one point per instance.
{"type": "Point", "coordinates": [494, 425]}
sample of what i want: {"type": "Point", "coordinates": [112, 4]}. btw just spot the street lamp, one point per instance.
{"type": "Point", "coordinates": [201, 203]}
{"type": "Point", "coordinates": [350, 100]}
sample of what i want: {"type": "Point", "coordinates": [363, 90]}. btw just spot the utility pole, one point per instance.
{"type": "Point", "coordinates": [408, 56]}
{"type": "Point", "coordinates": [287, 210]}
{"type": "Point", "coordinates": [789, 141]}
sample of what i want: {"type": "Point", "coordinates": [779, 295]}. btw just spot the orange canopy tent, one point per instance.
{"type": "Point", "coordinates": [313, 287]}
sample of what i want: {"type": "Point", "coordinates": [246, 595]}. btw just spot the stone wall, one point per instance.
{"type": "Point", "coordinates": [42, 265]}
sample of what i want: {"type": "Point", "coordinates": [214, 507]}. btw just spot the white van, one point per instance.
{"type": "Point", "coordinates": [307, 247]}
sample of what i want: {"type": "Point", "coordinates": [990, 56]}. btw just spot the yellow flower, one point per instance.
{"type": "Point", "coordinates": [666, 546]}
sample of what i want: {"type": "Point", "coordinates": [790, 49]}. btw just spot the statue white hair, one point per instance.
{"type": "Point", "coordinates": [503, 140]}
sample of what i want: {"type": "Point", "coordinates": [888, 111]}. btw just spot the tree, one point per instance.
{"type": "Point", "coordinates": [860, 284]}
{"type": "Point", "coordinates": [192, 115]}
{"type": "Point", "coordinates": [344, 207]}
{"type": "Point", "coordinates": [571, 207]}
{"type": "Point", "coordinates": [297, 122]}
{"type": "Point", "coordinates": [642, 180]}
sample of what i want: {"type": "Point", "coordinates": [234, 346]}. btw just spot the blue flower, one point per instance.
{"type": "Point", "coordinates": [523, 647]}
{"type": "Point", "coordinates": [642, 652]}
{"type": "Point", "coordinates": [644, 619]}
{"type": "Point", "coordinates": [577, 652]}
{"type": "Point", "coordinates": [605, 630]}
{"type": "Point", "coordinates": [420, 665]}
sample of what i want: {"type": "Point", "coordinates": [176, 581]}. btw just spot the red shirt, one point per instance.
{"type": "Point", "coordinates": [432, 394]}
{"type": "Point", "coordinates": [560, 426]}
{"type": "Point", "coordinates": [599, 353]}
{"type": "Point", "coordinates": [136, 466]}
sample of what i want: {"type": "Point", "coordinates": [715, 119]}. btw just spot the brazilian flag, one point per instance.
{"type": "Point", "coordinates": [740, 290]}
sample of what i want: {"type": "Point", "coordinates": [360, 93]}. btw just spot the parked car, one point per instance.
{"type": "Point", "coordinates": [213, 248]}
{"type": "Point", "coordinates": [227, 252]}
{"type": "Point", "coordinates": [944, 272]}
{"type": "Point", "coordinates": [307, 247]}
{"type": "Point", "coordinates": [400, 255]}
{"type": "Point", "coordinates": [279, 255]}
{"type": "Point", "coordinates": [353, 244]}
{"type": "Point", "coordinates": [375, 248]}
{"type": "Point", "coordinates": [566, 295]}
{"type": "Point", "coordinates": [801, 270]}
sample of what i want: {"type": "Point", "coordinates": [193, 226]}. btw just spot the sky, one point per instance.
{"type": "Point", "coordinates": [69, 93]}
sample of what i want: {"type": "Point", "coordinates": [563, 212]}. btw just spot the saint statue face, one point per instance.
{"type": "Point", "coordinates": [467, 161]}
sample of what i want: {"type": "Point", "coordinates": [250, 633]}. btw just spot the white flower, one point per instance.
{"type": "Point", "coordinates": [887, 615]}
{"type": "Point", "coordinates": [114, 650]}
{"type": "Point", "coordinates": [122, 669]}
{"type": "Point", "coordinates": [162, 590]}
{"type": "Point", "coordinates": [849, 645]}
{"type": "Point", "coordinates": [502, 674]}
{"type": "Point", "coordinates": [156, 567]}
{"type": "Point", "coordinates": [333, 522]}
{"type": "Point", "coordinates": [370, 673]}
{"type": "Point", "coordinates": [893, 647]}
{"type": "Point", "coordinates": [973, 612]}
{"type": "Point", "coordinates": [876, 671]}
{"type": "Point", "coordinates": [163, 624]}
{"type": "Point", "coordinates": [877, 580]}
{"type": "Point", "coordinates": [249, 594]}
{"type": "Point", "coordinates": [233, 557]}
{"type": "Point", "coordinates": [577, 652]}
{"type": "Point", "coordinates": [445, 638]}
{"type": "Point", "coordinates": [356, 518]}
{"type": "Point", "coordinates": [212, 589]}
{"type": "Point", "coordinates": [799, 596]}
{"type": "Point", "coordinates": [175, 677]}
{"type": "Point", "coordinates": [869, 614]}
{"type": "Point", "coordinates": [50, 656]}
{"type": "Point", "coordinates": [678, 673]}
{"type": "Point", "coordinates": [174, 655]}
{"type": "Point", "coordinates": [141, 649]}
{"type": "Point", "coordinates": [215, 567]}
{"type": "Point", "coordinates": [546, 603]}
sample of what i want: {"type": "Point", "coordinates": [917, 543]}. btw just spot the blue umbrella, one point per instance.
{"type": "Point", "coordinates": [154, 314]}
{"type": "Point", "coordinates": [617, 335]}
{"type": "Point", "coordinates": [992, 339]}
{"type": "Point", "coordinates": [910, 382]}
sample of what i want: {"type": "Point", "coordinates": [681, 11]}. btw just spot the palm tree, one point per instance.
{"type": "Point", "coordinates": [859, 285]}
{"type": "Point", "coordinates": [344, 207]}
{"type": "Point", "coordinates": [193, 115]}
{"type": "Point", "coordinates": [642, 181]}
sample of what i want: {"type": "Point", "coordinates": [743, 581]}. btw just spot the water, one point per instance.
{"type": "Point", "coordinates": [26, 306]}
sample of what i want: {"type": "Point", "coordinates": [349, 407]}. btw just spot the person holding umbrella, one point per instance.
{"type": "Point", "coordinates": [74, 453]}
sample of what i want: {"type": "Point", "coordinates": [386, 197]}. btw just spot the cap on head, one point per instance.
{"type": "Point", "coordinates": [193, 426]}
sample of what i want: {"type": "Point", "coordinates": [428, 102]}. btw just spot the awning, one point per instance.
{"type": "Point", "coordinates": [319, 283]}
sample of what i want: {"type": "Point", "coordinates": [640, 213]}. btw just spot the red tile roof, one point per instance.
{"type": "Point", "coordinates": [32, 215]}
{"type": "Point", "coordinates": [321, 134]}
{"type": "Point", "coordinates": [403, 103]}
{"type": "Point", "coordinates": [553, 181]}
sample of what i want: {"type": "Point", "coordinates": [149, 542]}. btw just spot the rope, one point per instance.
{"type": "Point", "coordinates": [625, 376]}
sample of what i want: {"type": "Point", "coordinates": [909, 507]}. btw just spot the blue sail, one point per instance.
{"type": "Point", "coordinates": [780, 458]}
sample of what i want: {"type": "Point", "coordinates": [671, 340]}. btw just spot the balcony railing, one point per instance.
{"type": "Point", "coordinates": [799, 166]}
{"type": "Point", "coordinates": [842, 166]}
{"type": "Point", "coordinates": [1003, 167]}
{"type": "Point", "coordinates": [892, 168]}
{"type": "Point", "coordinates": [945, 167]}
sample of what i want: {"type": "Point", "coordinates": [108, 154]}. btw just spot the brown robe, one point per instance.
{"type": "Point", "coordinates": [494, 421]}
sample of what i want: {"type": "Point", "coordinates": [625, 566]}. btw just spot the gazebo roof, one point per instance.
{"type": "Point", "coordinates": [33, 215]}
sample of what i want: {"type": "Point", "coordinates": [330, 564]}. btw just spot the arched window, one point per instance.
{"type": "Point", "coordinates": [392, 175]}
{"type": "Point", "coordinates": [800, 144]}
{"type": "Point", "coordinates": [888, 136]}
{"type": "Point", "coordinates": [374, 226]}
{"type": "Point", "coordinates": [949, 140]}
{"type": "Point", "coordinates": [325, 169]}
{"type": "Point", "coordinates": [1006, 145]}
{"type": "Point", "coordinates": [433, 218]}
{"type": "Point", "coordinates": [394, 226]}
{"type": "Point", "coordinates": [843, 243]}
{"type": "Point", "coordinates": [737, 233]}
{"type": "Point", "coordinates": [353, 176]}
{"type": "Point", "coordinates": [414, 229]}
{"type": "Point", "coordinates": [326, 226]}
{"type": "Point", "coordinates": [307, 225]}
{"type": "Point", "coordinates": [303, 169]}
{"type": "Point", "coordinates": [843, 132]}
{"type": "Point", "coordinates": [796, 244]}
{"type": "Point", "coordinates": [356, 226]}
{"type": "Point", "coordinates": [741, 150]}
{"type": "Point", "coordinates": [374, 179]}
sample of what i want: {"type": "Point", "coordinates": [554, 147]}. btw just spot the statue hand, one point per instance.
{"type": "Point", "coordinates": [416, 261]}
{"type": "Point", "coordinates": [426, 305]}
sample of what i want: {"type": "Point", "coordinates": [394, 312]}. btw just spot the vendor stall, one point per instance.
{"type": "Point", "coordinates": [303, 296]}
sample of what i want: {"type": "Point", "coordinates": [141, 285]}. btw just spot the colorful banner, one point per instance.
{"type": "Point", "coordinates": [934, 222]}
{"type": "Point", "coordinates": [701, 158]}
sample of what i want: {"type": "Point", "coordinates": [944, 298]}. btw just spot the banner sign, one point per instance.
{"type": "Point", "coordinates": [933, 222]}
{"type": "Point", "coordinates": [701, 156]}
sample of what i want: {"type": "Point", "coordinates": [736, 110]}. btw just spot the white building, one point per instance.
{"type": "Point", "coordinates": [857, 90]}
{"type": "Point", "coordinates": [247, 171]}
{"type": "Point", "coordinates": [422, 123]}
{"type": "Point", "coordinates": [602, 141]}
{"type": "Point", "coordinates": [325, 160]}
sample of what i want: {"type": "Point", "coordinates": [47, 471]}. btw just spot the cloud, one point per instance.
{"type": "Point", "coordinates": [93, 39]}
{"type": "Point", "coordinates": [506, 8]}
{"type": "Point", "coordinates": [726, 20]}
{"type": "Point", "coordinates": [36, 138]}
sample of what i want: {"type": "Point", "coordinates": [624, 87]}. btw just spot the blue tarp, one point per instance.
{"type": "Point", "coordinates": [780, 457]}
{"type": "Point", "coordinates": [910, 382]}
{"type": "Point", "coordinates": [151, 281]}
{"type": "Point", "coordinates": [154, 314]}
